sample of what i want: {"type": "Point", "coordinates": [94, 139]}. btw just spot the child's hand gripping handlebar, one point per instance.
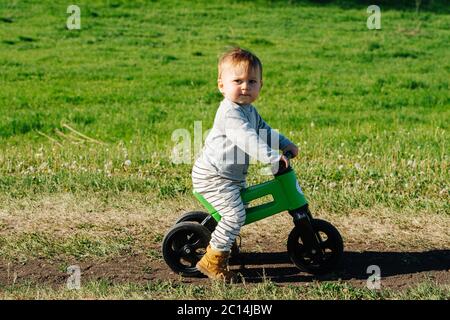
{"type": "Point", "coordinates": [283, 164]}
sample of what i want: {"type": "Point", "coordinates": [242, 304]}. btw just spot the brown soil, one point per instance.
{"type": "Point", "coordinates": [399, 269]}
{"type": "Point", "coordinates": [409, 248]}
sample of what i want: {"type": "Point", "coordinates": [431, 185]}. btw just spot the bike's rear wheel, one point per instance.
{"type": "Point", "coordinates": [184, 245]}
{"type": "Point", "coordinates": [211, 224]}
{"type": "Point", "coordinates": [199, 217]}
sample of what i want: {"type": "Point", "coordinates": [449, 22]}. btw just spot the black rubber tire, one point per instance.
{"type": "Point", "coordinates": [182, 236]}
{"type": "Point", "coordinates": [199, 216]}
{"type": "Point", "coordinates": [333, 246]}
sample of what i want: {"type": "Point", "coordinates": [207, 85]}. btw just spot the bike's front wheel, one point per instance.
{"type": "Point", "coordinates": [330, 242]}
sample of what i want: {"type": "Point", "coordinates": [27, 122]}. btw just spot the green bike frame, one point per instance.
{"type": "Point", "coordinates": [284, 189]}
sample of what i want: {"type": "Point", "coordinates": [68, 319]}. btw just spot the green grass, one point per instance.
{"type": "Point", "coordinates": [351, 98]}
{"type": "Point", "coordinates": [368, 109]}
{"type": "Point", "coordinates": [218, 291]}
{"type": "Point", "coordinates": [77, 245]}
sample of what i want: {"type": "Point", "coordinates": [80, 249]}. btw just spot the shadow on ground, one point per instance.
{"type": "Point", "coordinates": [277, 266]}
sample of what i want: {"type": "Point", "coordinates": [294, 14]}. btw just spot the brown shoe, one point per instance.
{"type": "Point", "coordinates": [214, 264]}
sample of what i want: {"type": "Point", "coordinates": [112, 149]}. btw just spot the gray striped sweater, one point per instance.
{"type": "Point", "coordinates": [239, 133]}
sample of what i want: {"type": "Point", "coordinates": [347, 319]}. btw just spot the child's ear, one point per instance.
{"type": "Point", "coordinates": [220, 85]}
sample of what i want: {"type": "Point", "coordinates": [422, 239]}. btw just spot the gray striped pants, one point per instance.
{"type": "Point", "coordinates": [224, 195]}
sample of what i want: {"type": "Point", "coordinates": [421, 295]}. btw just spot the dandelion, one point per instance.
{"type": "Point", "coordinates": [42, 166]}
{"type": "Point", "coordinates": [357, 166]}
{"type": "Point", "coordinates": [340, 167]}
{"type": "Point", "coordinates": [411, 163]}
{"type": "Point", "coordinates": [127, 163]}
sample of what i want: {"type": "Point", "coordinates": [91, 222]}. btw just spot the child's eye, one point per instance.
{"type": "Point", "coordinates": [238, 81]}
{"type": "Point", "coordinates": [252, 81]}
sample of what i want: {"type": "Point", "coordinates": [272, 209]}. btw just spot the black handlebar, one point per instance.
{"type": "Point", "coordinates": [282, 167]}
{"type": "Point", "coordinates": [289, 155]}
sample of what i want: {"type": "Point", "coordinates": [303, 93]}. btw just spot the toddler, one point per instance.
{"type": "Point", "coordinates": [238, 133]}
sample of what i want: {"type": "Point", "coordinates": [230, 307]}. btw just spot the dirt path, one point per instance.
{"type": "Point", "coordinates": [409, 247]}
{"type": "Point", "coordinates": [399, 269]}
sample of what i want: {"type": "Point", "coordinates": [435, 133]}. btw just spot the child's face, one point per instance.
{"type": "Point", "coordinates": [239, 85]}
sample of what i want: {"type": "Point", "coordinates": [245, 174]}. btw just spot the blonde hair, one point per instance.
{"type": "Point", "coordinates": [238, 57]}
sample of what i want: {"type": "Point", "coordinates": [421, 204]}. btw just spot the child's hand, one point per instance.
{"type": "Point", "coordinates": [285, 161]}
{"type": "Point", "coordinates": [292, 148]}
{"type": "Point", "coordinates": [281, 165]}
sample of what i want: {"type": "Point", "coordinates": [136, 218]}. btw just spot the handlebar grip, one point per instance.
{"type": "Point", "coordinates": [289, 155]}
{"type": "Point", "coordinates": [282, 165]}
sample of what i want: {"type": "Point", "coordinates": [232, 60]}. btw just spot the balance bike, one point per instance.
{"type": "Point", "coordinates": [313, 245]}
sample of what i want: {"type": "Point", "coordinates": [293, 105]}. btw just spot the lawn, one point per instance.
{"type": "Point", "coordinates": [87, 120]}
